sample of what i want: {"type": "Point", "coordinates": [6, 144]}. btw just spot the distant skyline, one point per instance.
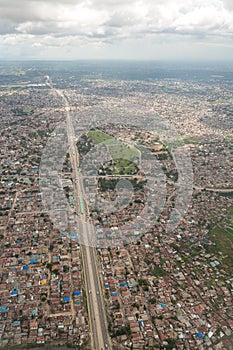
{"type": "Point", "coordinates": [108, 29]}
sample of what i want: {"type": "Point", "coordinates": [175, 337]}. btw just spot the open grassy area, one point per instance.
{"type": "Point", "coordinates": [118, 150]}
{"type": "Point", "coordinates": [124, 152]}
{"type": "Point", "coordinates": [99, 136]}
{"type": "Point", "coordinates": [121, 167]}
{"type": "Point", "coordinates": [222, 236]}
{"type": "Point", "coordinates": [190, 140]}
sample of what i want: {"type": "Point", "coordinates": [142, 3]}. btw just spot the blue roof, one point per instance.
{"type": "Point", "coordinates": [64, 233]}
{"type": "Point", "coordinates": [163, 304]}
{"type": "Point", "coordinates": [123, 284]}
{"type": "Point", "coordinates": [77, 294]}
{"type": "Point", "coordinates": [16, 324]}
{"type": "Point", "coordinates": [15, 292]}
{"type": "Point", "coordinates": [25, 267]}
{"type": "Point", "coordinates": [73, 235]}
{"type": "Point", "coordinates": [35, 311]}
{"type": "Point", "coordinates": [140, 323]}
{"type": "Point", "coordinates": [33, 261]}
{"type": "Point", "coordinates": [66, 299]}
{"type": "Point", "coordinates": [113, 294]}
{"type": "Point", "coordinates": [199, 335]}
{"type": "Point", "coordinates": [3, 309]}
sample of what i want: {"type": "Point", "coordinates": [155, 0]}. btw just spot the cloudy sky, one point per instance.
{"type": "Point", "coordinates": [116, 29]}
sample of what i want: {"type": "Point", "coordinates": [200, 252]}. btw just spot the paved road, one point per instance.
{"type": "Point", "coordinates": [96, 309]}
{"type": "Point", "coordinates": [215, 189]}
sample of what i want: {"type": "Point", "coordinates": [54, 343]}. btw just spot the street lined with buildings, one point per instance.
{"type": "Point", "coordinates": [162, 290]}
{"type": "Point", "coordinates": [96, 308]}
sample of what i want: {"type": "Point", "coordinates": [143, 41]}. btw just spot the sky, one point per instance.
{"type": "Point", "coordinates": [116, 29]}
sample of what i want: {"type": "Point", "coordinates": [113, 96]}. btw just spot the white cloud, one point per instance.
{"type": "Point", "coordinates": [166, 15]}
{"type": "Point", "coordinates": [114, 21]}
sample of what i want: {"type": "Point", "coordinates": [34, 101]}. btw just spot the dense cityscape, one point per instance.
{"type": "Point", "coordinates": [159, 290]}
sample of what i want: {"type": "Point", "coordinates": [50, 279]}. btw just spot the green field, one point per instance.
{"type": "Point", "coordinates": [222, 236]}
{"type": "Point", "coordinates": [123, 151]}
{"type": "Point", "coordinates": [117, 149]}
{"type": "Point", "coordinates": [99, 136]}
{"type": "Point", "coordinates": [121, 167]}
{"type": "Point", "coordinates": [190, 140]}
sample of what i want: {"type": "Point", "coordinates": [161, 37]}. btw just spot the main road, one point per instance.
{"type": "Point", "coordinates": [100, 339]}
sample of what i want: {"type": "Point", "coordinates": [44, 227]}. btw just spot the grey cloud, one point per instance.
{"type": "Point", "coordinates": [7, 27]}
{"type": "Point", "coordinates": [228, 4]}
{"type": "Point", "coordinates": [120, 19]}
{"type": "Point", "coordinates": [116, 18]}
{"type": "Point", "coordinates": [37, 28]}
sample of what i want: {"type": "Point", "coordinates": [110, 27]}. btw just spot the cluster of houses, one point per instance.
{"type": "Point", "coordinates": [161, 289]}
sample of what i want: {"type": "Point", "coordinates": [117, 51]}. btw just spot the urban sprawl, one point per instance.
{"type": "Point", "coordinates": [162, 290]}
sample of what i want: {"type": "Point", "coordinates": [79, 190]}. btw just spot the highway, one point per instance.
{"type": "Point", "coordinates": [100, 339]}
